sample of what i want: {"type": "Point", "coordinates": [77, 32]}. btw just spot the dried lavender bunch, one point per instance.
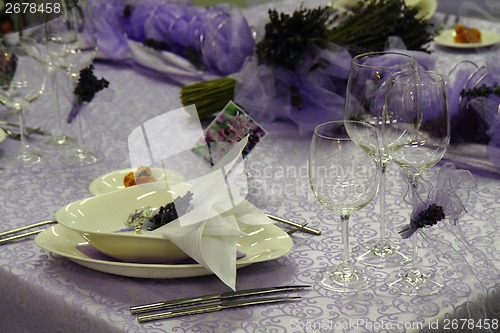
{"type": "Point", "coordinates": [171, 211]}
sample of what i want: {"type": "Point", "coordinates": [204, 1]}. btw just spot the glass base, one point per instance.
{"type": "Point", "coordinates": [28, 158]}
{"type": "Point", "coordinates": [344, 279]}
{"type": "Point", "coordinates": [85, 157]}
{"type": "Point", "coordinates": [79, 157]}
{"type": "Point", "coordinates": [58, 141]}
{"type": "Point", "coordinates": [381, 253]}
{"type": "Point", "coordinates": [415, 281]}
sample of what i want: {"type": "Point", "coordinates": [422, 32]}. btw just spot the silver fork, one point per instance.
{"type": "Point", "coordinates": [27, 234]}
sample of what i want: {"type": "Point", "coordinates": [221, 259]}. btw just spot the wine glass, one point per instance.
{"type": "Point", "coordinates": [344, 178]}
{"type": "Point", "coordinates": [365, 97]}
{"type": "Point", "coordinates": [72, 42]}
{"type": "Point", "coordinates": [58, 36]}
{"type": "Point", "coordinates": [22, 81]}
{"type": "Point", "coordinates": [416, 134]}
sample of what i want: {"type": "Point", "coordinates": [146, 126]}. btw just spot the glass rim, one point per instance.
{"type": "Point", "coordinates": [437, 77]}
{"type": "Point", "coordinates": [341, 122]}
{"type": "Point", "coordinates": [412, 59]}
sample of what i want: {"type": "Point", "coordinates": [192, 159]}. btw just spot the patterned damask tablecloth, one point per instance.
{"type": "Point", "coordinates": [42, 292]}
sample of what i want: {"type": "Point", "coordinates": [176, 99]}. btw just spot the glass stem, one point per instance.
{"type": "Point", "coordinates": [22, 131]}
{"type": "Point", "coordinates": [80, 141]}
{"type": "Point", "coordinates": [382, 203]}
{"type": "Point", "coordinates": [413, 181]}
{"type": "Point", "coordinates": [55, 91]}
{"type": "Point", "coordinates": [346, 258]}
{"type": "Point", "coordinates": [414, 256]}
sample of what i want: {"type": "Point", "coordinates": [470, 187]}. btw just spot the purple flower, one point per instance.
{"type": "Point", "coordinates": [422, 217]}
{"type": "Point", "coordinates": [86, 88]}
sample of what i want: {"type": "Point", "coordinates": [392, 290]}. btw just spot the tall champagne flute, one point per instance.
{"type": "Point", "coordinates": [365, 96]}
{"type": "Point", "coordinates": [416, 134]}
{"type": "Point", "coordinates": [21, 83]}
{"type": "Point", "coordinates": [344, 178]}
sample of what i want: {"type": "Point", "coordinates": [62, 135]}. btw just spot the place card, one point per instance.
{"type": "Point", "coordinates": [230, 126]}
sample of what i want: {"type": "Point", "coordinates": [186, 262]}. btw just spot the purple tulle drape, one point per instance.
{"type": "Point", "coordinates": [475, 119]}
{"type": "Point", "coordinates": [218, 38]}
{"type": "Point", "coordinates": [311, 94]}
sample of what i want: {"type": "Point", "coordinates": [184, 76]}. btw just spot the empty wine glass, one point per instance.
{"type": "Point", "coordinates": [22, 81]}
{"type": "Point", "coordinates": [416, 134]}
{"type": "Point", "coordinates": [365, 96]}
{"type": "Point", "coordinates": [344, 178]}
{"type": "Point", "coordinates": [73, 44]}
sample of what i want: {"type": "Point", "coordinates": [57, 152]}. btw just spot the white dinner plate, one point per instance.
{"type": "Point", "coordinates": [114, 180]}
{"type": "Point", "coordinates": [263, 243]}
{"type": "Point", "coordinates": [446, 38]}
{"type": "Point", "coordinates": [3, 135]}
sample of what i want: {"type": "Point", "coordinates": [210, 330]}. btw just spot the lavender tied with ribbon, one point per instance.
{"type": "Point", "coordinates": [88, 85]}
{"type": "Point", "coordinates": [444, 197]}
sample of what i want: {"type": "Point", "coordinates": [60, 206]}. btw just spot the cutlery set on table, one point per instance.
{"type": "Point", "coordinates": [212, 303]}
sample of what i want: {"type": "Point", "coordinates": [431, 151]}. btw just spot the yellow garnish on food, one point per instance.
{"type": "Point", "coordinates": [465, 34]}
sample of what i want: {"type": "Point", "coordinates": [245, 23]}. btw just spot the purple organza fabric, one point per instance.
{"type": "Point", "coordinates": [475, 120]}
{"type": "Point", "coordinates": [266, 92]}
{"type": "Point", "coordinates": [450, 190]}
{"type": "Point", "coordinates": [424, 60]}
{"type": "Point", "coordinates": [108, 22]}
{"type": "Point", "coordinates": [219, 37]}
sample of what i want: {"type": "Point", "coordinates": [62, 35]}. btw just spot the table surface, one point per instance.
{"type": "Point", "coordinates": [43, 292]}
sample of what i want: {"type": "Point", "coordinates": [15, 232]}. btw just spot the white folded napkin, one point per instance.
{"type": "Point", "coordinates": [209, 232]}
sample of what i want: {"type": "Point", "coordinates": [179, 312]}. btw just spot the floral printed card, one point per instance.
{"type": "Point", "coordinates": [230, 126]}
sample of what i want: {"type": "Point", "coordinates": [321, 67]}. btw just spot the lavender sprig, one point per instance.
{"type": "Point", "coordinates": [171, 211]}
{"type": "Point", "coordinates": [150, 219]}
{"type": "Point", "coordinates": [426, 218]}
{"type": "Point", "coordinates": [86, 88]}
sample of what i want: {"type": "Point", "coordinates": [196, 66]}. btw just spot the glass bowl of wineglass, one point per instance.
{"type": "Point", "coordinates": [72, 44]}
{"type": "Point", "coordinates": [416, 135]}
{"type": "Point", "coordinates": [365, 96]}
{"type": "Point", "coordinates": [22, 81]}
{"type": "Point", "coordinates": [344, 178]}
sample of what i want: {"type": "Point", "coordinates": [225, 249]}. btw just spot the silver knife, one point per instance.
{"type": "Point", "coordinates": [211, 298]}
{"type": "Point", "coordinates": [296, 225]}
{"type": "Point", "coordinates": [212, 307]}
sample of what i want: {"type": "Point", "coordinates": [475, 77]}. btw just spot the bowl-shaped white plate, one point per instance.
{"type": "Point", "coordinates": [113, 181]}
{"type": "Point", "coordinates": [99, 218]}
{"type": "Point", "coordinates": [446, 38]}
{"type": "Point", "coordinates": [263, 243]}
